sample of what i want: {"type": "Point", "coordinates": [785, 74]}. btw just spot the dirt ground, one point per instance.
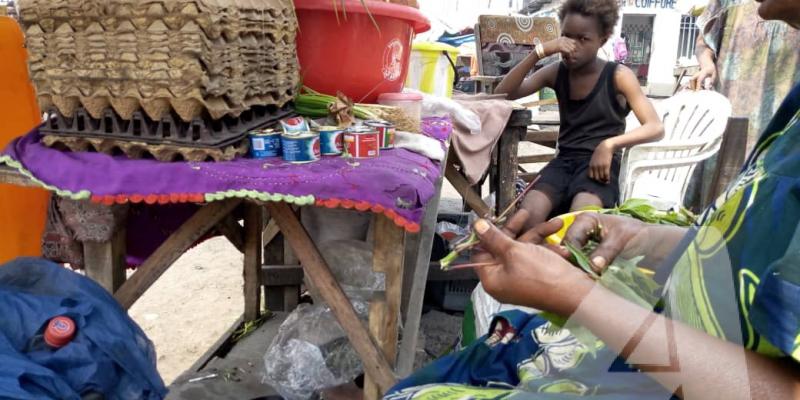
{"type": "Point", "coordinates": [200, 297]}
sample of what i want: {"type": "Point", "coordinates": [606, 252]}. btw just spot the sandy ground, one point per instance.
{"type": "Point", "coordinates": [200, 296]}
{"type": "Point", "coordinates": [192, 305]}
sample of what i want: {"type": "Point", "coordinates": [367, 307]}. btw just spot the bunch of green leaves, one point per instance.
{"type": "Point", "coordinates": [643, 211]}
{"type": "Point", "coordinates": [623, 277]}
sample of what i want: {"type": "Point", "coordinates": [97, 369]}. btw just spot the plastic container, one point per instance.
{"type": "Point", "coordinates": [430, 70]}
{"type": "Point", "coordinates": [410, 103]}
{"type": "Point", "coordinates": [348, 54]}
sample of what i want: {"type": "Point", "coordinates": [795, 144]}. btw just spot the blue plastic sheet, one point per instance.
{"type": "Point", "coordinates": [109, 355]}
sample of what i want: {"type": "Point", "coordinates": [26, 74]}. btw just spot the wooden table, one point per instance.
{"type": "Point", "coordinates": [503, 171]}
{"type": "Point", "coordinates": [376, 345]}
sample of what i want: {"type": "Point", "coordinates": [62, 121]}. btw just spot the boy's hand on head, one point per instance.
{"type": "Point", "coordinates": [563, 45]}
{"type": "Point", "coordinates": [600, 164]}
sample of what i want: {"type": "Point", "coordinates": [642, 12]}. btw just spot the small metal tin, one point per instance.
{"type": "Point", "coordinates": [331, 140]}
{"type": "Point", "coordinates": [362, 142]}
{"type": "Point", "coordinates": [265, 143]}
{"type": "Point", "coordinates": [300, 148]}
{"type": "Point", "coordinates": [386, 130]}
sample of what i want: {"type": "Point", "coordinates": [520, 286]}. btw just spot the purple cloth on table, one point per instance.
{"type": "Point", "coordinates": [398, 180]}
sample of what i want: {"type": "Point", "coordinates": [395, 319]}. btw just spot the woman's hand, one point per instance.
{"type": "Point", "coordinates": [619, 236]}
{"type": "Point", "coordinates": [600, 164]}
{"type": "Point", "coordinates": [563, 45]}
{"type": "Point", "coordinates": [527, 274]}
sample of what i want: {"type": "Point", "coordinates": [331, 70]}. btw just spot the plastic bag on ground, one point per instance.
{"type": "Point", "coordinates": [311, 353]}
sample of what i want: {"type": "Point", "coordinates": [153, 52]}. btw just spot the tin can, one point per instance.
{"type": "Point", "coordinates": [362, 142]}
{"type": "Point", "coordinates": [265, 143]}
{"type": "Point", "coordinates": [386, 132]}
{"type": "Point", "coordinates": [300, 148]}
{"type": "Point", "coordinates": [331, 140]}
{"type": "Point", "coordinates": [294, 125]}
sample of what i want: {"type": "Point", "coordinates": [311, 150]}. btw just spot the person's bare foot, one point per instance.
{"type": "Point", "coordinates": [348, 391]}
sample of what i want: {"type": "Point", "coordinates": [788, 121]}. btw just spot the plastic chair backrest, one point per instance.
{"type": "Point", "coordinates": [694, 123]}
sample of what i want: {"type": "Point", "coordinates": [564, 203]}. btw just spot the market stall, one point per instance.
{"type": "Point", "coordinates": [190, 103]}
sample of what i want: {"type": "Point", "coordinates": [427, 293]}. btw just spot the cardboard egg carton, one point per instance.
{"type": "Point", "coordinates": [220, 56]}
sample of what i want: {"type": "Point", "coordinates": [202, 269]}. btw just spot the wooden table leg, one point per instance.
{"type": "Point", "coordinates": [385, 312]}
{"type": "Point", "coordinates": [190, 232]}
{"type": "Point", "coordinates": [105, 261]}
{"type": "Point", "coordinates": [317, 271]}
{"type": "Point", "coordinates": [507, 149]}
{"type": "Point", "coordinates": [418, 275]}
{"type": "Point", "coordinates": [253, 226]}
{"type": "Point", "coordinates": [463, 188]}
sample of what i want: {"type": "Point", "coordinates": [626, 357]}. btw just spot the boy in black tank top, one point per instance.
{"type": "Point", "coordinates": [594, 97]}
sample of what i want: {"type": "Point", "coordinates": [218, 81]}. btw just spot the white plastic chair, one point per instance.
{"type": "Point", "coordinates": [694, 123]}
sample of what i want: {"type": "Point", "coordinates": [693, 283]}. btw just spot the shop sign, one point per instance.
{"type": "Point", "coordinates": [666, 4]}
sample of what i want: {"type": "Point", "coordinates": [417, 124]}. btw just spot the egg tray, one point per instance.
{"type": "Point", "coordinates": [170, 130]}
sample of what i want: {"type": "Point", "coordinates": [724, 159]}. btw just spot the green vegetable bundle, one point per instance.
{"type": "Point", "coordinates": [623, 277]}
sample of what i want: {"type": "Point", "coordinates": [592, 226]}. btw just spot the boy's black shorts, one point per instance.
{"type": "Point", "coordinates": [566, 176]}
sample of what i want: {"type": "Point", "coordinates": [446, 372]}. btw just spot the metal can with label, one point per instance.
{"type": "Point", "coordinates": [265, 143]}
{"type": "Point", "coordinates": [362, 142]}
{"type": "Point", "coordinates": [331, 140]}
{"type": "Point", "coordinates": [386, 132]}
{"type": "Point", "coordinates": [300, 148]}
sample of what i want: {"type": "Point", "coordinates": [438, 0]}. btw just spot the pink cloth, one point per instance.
{"type": "Point", "coordinates": [475, 151]}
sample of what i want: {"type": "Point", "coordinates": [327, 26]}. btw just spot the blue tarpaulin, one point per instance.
{"type": "Point", "coordinates": [109, 355]}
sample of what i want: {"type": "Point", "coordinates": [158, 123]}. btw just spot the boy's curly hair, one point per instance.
{"type": "Point", "coordinates": [606, 12]}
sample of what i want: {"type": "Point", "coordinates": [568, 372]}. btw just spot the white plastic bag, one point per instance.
{"type": "Point", "coordinates": [436, 106]}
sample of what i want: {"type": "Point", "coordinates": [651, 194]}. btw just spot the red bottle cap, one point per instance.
{"type": "Point", "coordinates": [59, 332]}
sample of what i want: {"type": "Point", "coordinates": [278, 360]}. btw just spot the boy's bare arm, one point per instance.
{"type": "Point", "coordinates": [652, 129]}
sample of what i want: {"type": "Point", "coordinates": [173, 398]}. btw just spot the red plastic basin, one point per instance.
{"type": "Point", "coordinates": [350, 55]}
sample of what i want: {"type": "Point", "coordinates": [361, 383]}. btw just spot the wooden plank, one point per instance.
{"type": "Point", "coordinates": [375, 363]}
{"type": "Point", "coordinates": [385, 312]}
{"type": "Point", "coordinates": [273, 256]}
{"type": "Point", "coordinates": [519, 118]}
{"type": "Point", "coordinates": [539, 158]}
{"type": "Point", "coordinates": [388, 258]}
{"type": "Point", "coordinates": [281, 275]}
{"type": "Point", "coordinates": [105, 261]}
{"type": "Point", "coordinates": [13, 177]}
{"type": "Point", "coordinates": [546, 118]}
{"type": "Point", "coordinates": [465, 190]}
{"type": "Point", "coordinates": [234, 232]}
{"type": "Point", "coordinates": [413, 296]}
{"type": "Point", "coordinates": [730, 160]}
{"type": "Point", "coordinates": [188, 234]}
{"type": "Point", "coordinates": [253, 227]}
{"type": "Point", "coordinates": [377, 316]}
{"type": "Point", "coordinates": [547, 138]}
{"type": "Point", "coordinates": [537, 103]}
{"type": "Point", "coordinates": [270, 232]}
{"type": "Point", "coordinates": [507, 150]}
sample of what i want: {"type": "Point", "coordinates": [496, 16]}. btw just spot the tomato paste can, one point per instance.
{"type": "Point", "coordinates": [300, 148]}
{"type": "Point", "coordinates": [331, 140]}
{"type": "Point", "coordinates": [362, 142]}
{"type": "Point", "coordinates": [265, 143]}
{"type": "Point", "coordinates": [386, 132]}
